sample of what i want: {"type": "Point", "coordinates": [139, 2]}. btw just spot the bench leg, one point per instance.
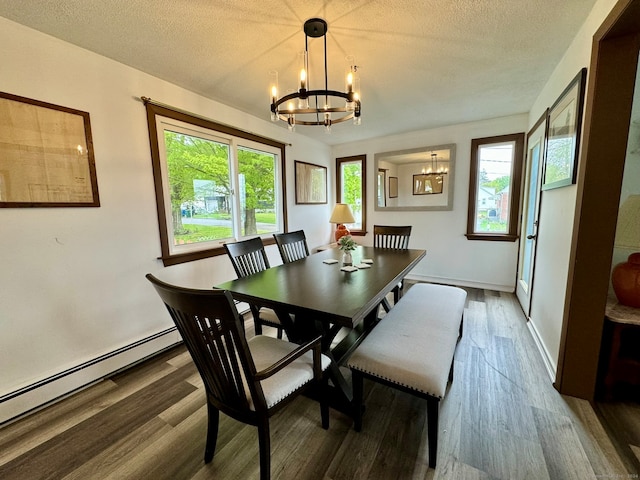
{"type": "Point", "coordinates": [357, 381]}
{"type": "Point", "coordinates": [433, 405]}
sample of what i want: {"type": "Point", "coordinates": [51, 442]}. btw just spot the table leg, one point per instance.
{"type": "Point", "coordinates": [302, 330]}
{"type": "Point", "coordinates": [295, 332]}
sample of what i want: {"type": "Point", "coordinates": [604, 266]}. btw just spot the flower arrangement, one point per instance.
{"type": "Point", "coordinates": [346, 243]}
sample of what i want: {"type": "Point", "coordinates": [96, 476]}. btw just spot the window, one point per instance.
{"type": "Point", "coordinates": [382, 181]}
{"type": "Point", "coordinates": [214, 184]}
{"type": "Point", "coordinates": [350, 189]}
{"type": "Point", "coordinates": [494, 187]}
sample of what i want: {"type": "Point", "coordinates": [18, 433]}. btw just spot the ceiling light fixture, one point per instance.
{"type": "Point", "coordinates": [295, 108]}
{"type": "Point", "coordinates": [435, 167]}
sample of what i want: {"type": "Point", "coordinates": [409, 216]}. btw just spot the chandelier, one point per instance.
{"type": "Point", "coordinates": [435, 169]}
{"type": "Point", "coordinates": [314, 107]}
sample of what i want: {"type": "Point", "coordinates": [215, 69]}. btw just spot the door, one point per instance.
{"type": "Point", "coordinates": [530, 210]}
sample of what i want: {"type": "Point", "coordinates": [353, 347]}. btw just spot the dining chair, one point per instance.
{"type": "Point", "coordinates": [248, 380]}
{"type": "Point", "coordinates": [396, 238]}
{"type": "Point", "coordinates": [389, 236]}
{"type": "Point", "coordinates": [292, 245]}
{"type": "Point", "coordinates": [249, 257]}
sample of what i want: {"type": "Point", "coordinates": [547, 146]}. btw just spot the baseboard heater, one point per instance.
{"type": "Point", "coordinates": [46, 391]}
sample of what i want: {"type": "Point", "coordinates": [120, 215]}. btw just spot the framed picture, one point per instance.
{"type": "Point", "coordinates": [393, 187]}
{"type": "Point", "coordinates": [427, 183]}
{"type": "Point", "coordinates": [46, 155]}
{"type": "Point", "coordinates": [563, 139]}
{"type": "Point", "coordinates": [311, 183]}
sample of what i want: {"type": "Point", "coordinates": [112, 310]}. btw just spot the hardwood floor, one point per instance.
{"type": "Point", "coordinates": [501, 419]}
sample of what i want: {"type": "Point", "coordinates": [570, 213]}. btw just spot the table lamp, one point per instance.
{"type": "Point", "coordinates": [341, 214]}
{"type": "Point", "coordinates": [625, 276]}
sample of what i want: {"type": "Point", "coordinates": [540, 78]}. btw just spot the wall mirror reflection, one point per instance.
{"type": "Point", "coordinates": [419, 178]}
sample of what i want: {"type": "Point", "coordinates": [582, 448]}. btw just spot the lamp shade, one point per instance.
{"type": "Point", "coordinates": [628, 228]}
{"type": "Point", "coordinates": [341, 214]}
{"type": "Point", "coordinates": [625, 276]}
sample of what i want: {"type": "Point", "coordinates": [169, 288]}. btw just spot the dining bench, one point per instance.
{"type": "Point", "coordinates": [411, 349]}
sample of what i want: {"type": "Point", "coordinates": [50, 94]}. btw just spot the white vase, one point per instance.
{"type": "Point", "coordinates": [346, 259]}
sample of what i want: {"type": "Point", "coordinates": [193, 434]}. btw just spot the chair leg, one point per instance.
{"type": "Point", "coordinates": [280, 333]}
{"type": "Point", "coordinates": [265, 449]}
{"type": "Point", "coordinates": [357, 381]}
{"type": "Point", "coordinates": [213, 415]}
{"type": "Point", "coordinates": [433, 405]}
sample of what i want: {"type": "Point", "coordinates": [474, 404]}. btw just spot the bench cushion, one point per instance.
{"type": "Point", "coordinates": [413, 345]}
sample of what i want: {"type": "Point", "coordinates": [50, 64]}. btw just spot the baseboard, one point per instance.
{"type": "Point", "coordinates": [549, 364]}
{"type": "Point", "coordinates": [47, 390]}
{"type": "Point", "coordinates": [461, 283]}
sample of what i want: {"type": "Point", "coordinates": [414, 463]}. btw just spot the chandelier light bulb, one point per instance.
{"type": "Point", "coordinates": [273, 84]}
{"type": "Point", "coordinates": [327, 121]}
{"type": "Point", "coordinates": [303, 79]}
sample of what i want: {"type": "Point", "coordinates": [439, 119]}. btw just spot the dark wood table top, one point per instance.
{"type": "Point", "coordinates": [311, 288]}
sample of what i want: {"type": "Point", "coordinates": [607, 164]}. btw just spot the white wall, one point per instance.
{"type": "Point", "coordinates": [72, 284]}
{"type": "Point", "coordinates": [451, 258]}
{"type": "Point", "coordinates": [558, 206]}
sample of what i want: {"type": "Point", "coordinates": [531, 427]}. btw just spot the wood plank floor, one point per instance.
{"type": "Point", "coordinates": [501, 419]}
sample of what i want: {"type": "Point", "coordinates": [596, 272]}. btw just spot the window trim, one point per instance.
{"type": "Point", "coordinates": [515, 187]}
{"type": "Point", "coordinates": [363, 160]}
{"type": "Point", "coordinates": [153, 111]}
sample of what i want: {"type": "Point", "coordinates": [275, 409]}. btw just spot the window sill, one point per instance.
{"type": "Point", "coordinates": [178, 258]}
{"type": "Point", "coordinates": [492, 237]}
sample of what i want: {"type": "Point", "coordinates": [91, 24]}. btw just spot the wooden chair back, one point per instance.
{"type": "Point", "coordinates": [248, 256]}
{"type": "Point", "coordinates": [387, 236]}
{"type": "Point", "coordinates": [292, 245]}
{"type": "Point", "coordinates": [210, 327]}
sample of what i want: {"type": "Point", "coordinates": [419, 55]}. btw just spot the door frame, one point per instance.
{"type": "Point", "coordinates": [542, 122]}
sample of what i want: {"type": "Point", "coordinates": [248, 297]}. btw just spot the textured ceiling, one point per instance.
{"type": "Point", "coordinates": [423, 63]}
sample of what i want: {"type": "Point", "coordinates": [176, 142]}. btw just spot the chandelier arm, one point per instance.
{"type": "Point", "coordinates": [296, 111]}
{"type": "Point", "coordinates": [310, 111]}
{"type": "Point", "coordinates": [313, 93]}
{"type": "Point", "coordinates": [321, 122]}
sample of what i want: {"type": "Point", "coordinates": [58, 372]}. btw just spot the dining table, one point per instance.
{"type": "Point", "coordinates": [316, 296]}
